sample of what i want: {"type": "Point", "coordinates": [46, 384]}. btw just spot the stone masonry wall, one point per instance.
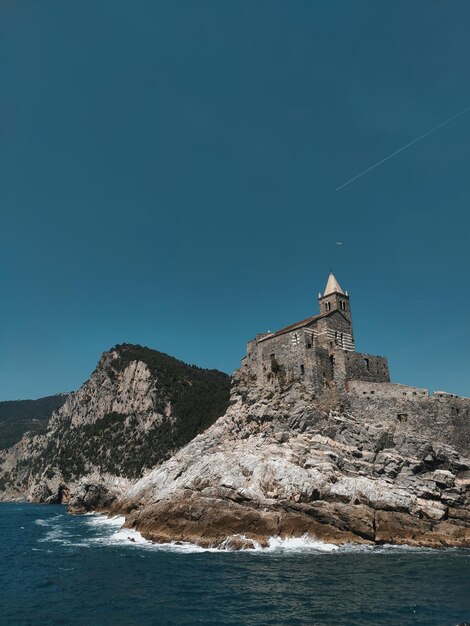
{"type": "Point", "coordinates": [367, 367]}
{"type": "Point", "coordinates": [443, 417]}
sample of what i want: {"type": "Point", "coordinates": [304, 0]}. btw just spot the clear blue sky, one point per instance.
{"type": "Point", "coordinates": [168, 169]}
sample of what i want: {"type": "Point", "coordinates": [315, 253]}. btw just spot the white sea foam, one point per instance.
{"type": "Point", "coordinates": [299, 544]}
{"type": "Point", "coordinates": [109, 531]}
{"type": "Point", "coordinates": [103, 520]}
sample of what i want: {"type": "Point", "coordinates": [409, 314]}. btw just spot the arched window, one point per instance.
{"type": "Point", "coordinates": [367, 364]}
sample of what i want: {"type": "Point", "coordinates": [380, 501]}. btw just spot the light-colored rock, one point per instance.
{"type": "Point", "coordinates": [254, 473]}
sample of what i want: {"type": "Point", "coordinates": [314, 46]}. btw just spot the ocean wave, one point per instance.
{"type": "Point", "coordinates": [109, 531]}
{"type": "Point", "coordinates": [103, 520]}
{"type": "Point", "coordinates": [42, 522]}
{"type": "Point", "coordinates": [299, 544]}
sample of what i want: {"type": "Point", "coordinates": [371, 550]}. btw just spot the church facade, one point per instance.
{"type": "Point", "coordinates": [320, 350]}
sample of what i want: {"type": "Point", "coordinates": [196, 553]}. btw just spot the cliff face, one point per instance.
{"type": "Point", "coordinates": [284, 462]}
{"type": "Point", "coordinates": [138, 407]}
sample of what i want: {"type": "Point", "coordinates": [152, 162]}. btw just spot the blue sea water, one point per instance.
{"type": "Point", "coordinates": [62, 569]}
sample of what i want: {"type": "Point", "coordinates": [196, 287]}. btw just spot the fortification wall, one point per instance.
{"type": "Point", "coordinates": [387, 390]}
{"type": "Point", "coordinates": [366, 367]}
{"type": "Point", "coordinates": [403, 407]}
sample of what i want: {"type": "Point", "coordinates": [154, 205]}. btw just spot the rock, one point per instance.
{"type": "Point", "coordinates": [403, 528]}
{"type": "Point", "coordinates": [428, 508]}
{"type": "Point", "coordinates": [119, 422]}
{"type": "Point", "coordinates": [211, 522]}
{"type": "Point", "coordinates": [281, 461]}
{"type": "Point", "coordinates": [443, 478]}
{"type": "Point", "coordinates": [238, 484]}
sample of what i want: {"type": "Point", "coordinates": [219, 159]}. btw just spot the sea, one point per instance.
{"type": "Point", "coordinates": [57, 568]}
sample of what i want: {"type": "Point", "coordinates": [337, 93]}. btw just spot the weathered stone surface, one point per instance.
{"type": "Point", "coordinates": [123, 419]}
{"type": "Point", "coordinates": [218, 522]}
{"type": "Point", "coordinates": [336, 477]}
{"type": "Point", "coordinates": [283, 461]}
{"type": "Point", "coordinates": [402, 528]}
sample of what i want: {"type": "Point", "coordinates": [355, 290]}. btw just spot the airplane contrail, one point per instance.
{"type": "Point", "coordinates": [428, 132]}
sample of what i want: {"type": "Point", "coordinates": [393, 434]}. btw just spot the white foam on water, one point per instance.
{"type": "Point", "coordinates": [276, 544]}
{"type": "Point", "coordinates": [109, 531]}
{"type": "Point", "coordinates": [103, 520]}
{"type": "Point", "coordinates": [126, 536]}
{"type": "Point", "coordinates": [299, 544]}
{"type": "Point", "coordinates": [130, 537]}
{"type": "Point", "coordinates": [48, 522]}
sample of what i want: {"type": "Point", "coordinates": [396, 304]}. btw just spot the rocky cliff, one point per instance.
{"type": "Point", "coordinates": [283, 461]}
{"type": "Point", "coordinates": [138, 408]}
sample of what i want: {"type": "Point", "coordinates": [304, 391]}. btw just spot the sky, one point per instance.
{"type": "Point", "coordinates": [168, 173]}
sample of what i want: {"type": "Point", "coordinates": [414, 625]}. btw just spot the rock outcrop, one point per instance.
{"type": "Point", "coordinates": [138, 408]}
{"type": "Point", "coordinates": [142, 437]}
{"type": "Point", "coordinates": [285, 462]}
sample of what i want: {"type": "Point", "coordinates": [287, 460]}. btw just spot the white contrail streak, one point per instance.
{"type": "Point", "coordinates": [428, 132]}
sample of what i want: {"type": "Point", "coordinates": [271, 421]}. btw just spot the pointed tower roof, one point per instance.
{"type": "Point", "coordinates": [332, 286]}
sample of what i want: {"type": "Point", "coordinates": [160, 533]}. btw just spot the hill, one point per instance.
{"type": "Point", "coordinates": [138, 407]}
{"type": "Point", "coordinates": [18, 417]}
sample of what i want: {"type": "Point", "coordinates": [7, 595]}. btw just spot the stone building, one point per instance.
{"type": "Point", "coordinates": [320, 349]}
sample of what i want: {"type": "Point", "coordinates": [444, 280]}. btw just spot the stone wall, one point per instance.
{"type": "Point", "coordinates": [366, 367]}
{"type": "Point", "coordinates": [291, 354]}
{"type": "Point", "coordinates": [443, 417]}
{"type": "Point", "coordinates": [387, 390]}
{"type": "Point", "coordinates": [321, 354]}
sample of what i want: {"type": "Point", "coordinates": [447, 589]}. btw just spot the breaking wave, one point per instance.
{"type": "Point", "coordinates": [126, 536]}
{"type": "Point", "coordinates": [96, 530]}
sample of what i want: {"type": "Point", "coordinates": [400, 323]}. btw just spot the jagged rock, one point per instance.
{"type": "Point", "coordinates": [282, 460]}
{"type": "Point", "coordinates": [136, 409]}
{"type": "Point", "coordinates": [241, 482]}
{"type": "Point", "coordinates": [443, 478]}
{"type": "Point", "coordinates": [403, 528]}
{"type": "Point", "coordinates": [96, 493]}
{"type": "Point", "coordinates": [214, 522]}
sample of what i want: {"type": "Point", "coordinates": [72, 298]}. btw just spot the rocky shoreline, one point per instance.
{"type": "Point", "coordinates": [284, 463]}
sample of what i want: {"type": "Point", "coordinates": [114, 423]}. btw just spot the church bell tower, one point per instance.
{"type": "Point", "coordinates": [334, 298]}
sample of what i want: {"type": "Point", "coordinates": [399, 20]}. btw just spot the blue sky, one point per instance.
{"type": "Point", "coordinates": [167, 176]}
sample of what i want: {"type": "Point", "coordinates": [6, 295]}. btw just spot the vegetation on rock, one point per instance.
{"type": "Point", "coordinates": [18, 417]}
{"type": "Point", "coordinates": [138, 407]}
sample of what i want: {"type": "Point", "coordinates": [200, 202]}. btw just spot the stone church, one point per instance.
{"type": "Point", "coordinates": [320, 352]}
{"type": "Point", "coordinates": [319, 349]}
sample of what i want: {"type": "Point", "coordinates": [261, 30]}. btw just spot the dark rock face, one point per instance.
{"type": "Point", "coordinates": [91, 496]}
{"type": "Point", "coordinates": [209, 521]}
{"type": "Point", "coordinates": [138, 407]}
{"type": "Point", "coordinates": [288, 463]}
